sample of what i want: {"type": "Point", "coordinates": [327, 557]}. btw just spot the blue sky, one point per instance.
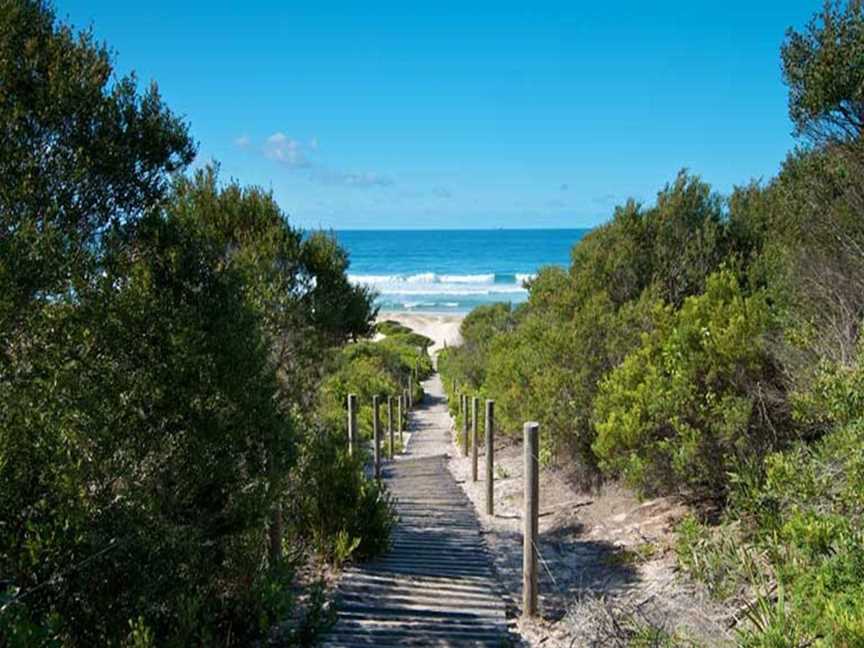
{"type": "Point", "coordinates": [404, 114]}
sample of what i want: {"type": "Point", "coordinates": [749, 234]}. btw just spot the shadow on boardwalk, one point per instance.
{"type": "Point", "coordinates": [435, 587]}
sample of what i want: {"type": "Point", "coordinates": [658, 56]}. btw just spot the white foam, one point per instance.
{"type": "Point", "coordinates": [478, 278]}
{"type": "Point", "coordinates": [410, 287]}
{"type": "Point", "coordinates": [422, 278]}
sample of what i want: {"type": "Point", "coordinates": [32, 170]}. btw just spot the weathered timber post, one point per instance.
{"type": "Point", "coordinates": [529, 538]}
{"type": "Point", "coordinates": [474, 405]}
{"type": "Point", "coordinates": [399, 420]}
{"type": "Point", "coordinates": [410, 393]}
{"type": "Point", "coordinates": [490, 457]}
{"type": "Point", "coordinates": [376, 437]}
{"type": "Point", "coordinates": [461, 412]}
{"type": "Point", "coordinates": [352, 422]}
{"type": "Point", "coordinates": [464, 425]}
{"type": "Point", "coordinates": [391, 444]}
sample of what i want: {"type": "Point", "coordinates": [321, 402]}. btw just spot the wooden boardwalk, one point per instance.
{"type": "Point", "coordinates": [435, 587]}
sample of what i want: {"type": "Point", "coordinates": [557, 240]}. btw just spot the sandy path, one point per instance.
{"type": "Point", "coordinates": [430, 424]}
{"type": "Point", "coordinates": [442, 329]}
{"type": "Point", "coordinates": [593, 578]}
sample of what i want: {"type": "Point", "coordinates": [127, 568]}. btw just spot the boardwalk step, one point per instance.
{"type": "Point", "coordinates": [435, 586]}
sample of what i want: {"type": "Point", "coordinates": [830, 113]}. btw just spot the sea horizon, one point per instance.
{"type": "Point", "coordinates": [452, 271]}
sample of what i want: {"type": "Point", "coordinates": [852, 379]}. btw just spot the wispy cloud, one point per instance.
{"type": "Point", "coordinates": [441, 192]}
{"type": "Point", "coordinates": [296, 154]}
{"type": "Point", "coordinates": [285, 150]}
{"type": "Point", "coordinates": [351, 178]}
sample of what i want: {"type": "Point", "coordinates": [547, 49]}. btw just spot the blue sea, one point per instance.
{"type": "Point", "coordinates": [452, 271]}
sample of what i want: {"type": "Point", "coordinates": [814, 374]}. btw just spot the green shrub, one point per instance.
{"type": "Point", "coordinates": [332, 503]}
{"type": "Point", "coordinates": [158, 336]}
{"type": "Point", "coordinates": [389, 327]}
{"type": "Point", "coordinates": [700, 398]}
{"type": "Point", "coordinates": [798, 534]}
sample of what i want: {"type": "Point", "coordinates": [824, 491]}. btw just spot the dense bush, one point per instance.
{"type": "Point", "coordinates": [162, 340]}
{"type": "Point", "coordinates": [544, 360]}
{"type": "Point", "coordinates": [794, 543]}
{"type": "Point", "coordinates": [332, 505]}
{"type": "Point", "coordinates": [382, 368]}
{"type": "Point", "coordinates": [697, 399]}
{"type": "Point", "coordinates": [391, 327]}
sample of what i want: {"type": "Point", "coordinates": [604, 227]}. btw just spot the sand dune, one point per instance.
{"type": "Point", "coordinates": [443, 329]}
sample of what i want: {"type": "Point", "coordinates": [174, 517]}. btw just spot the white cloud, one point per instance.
{"type": "Point", "coordinates": [242, 142]}
{"type": "Point", "coordinates": [295, 154]}
{"type": "Point", "coordinates": [287, 151]}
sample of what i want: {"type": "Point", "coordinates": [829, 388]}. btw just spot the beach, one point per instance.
{"type": "Point", "coordinates": [443, 329]}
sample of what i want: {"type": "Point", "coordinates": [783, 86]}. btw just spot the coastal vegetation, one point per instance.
{"type": "Point", "coordinates": [174, 360]}
{"type": "Point", "coordinates": [709, 347]}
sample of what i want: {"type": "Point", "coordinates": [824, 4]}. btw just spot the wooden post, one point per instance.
{"type": "Point", "coordinates": [461, 412]}
{"type": "Point", "coordinates": [391, 444]}
{"type": "Point", "coordinates": [490, 457]}
{"type": "Point", "coordinates": [529, 538]}
{"type": "Point", "coordinates": [410, 393]}
{"type": "Point", "coordinates": [474, 405]}
{"type": "Point", "coordinates": [352, 422]}
{"type": "Point", "coordinates": [464, 425]}
{"type": "Point", "coordinates": [376, 437]}
{"type": "Point", "coordinates": [399, 420]}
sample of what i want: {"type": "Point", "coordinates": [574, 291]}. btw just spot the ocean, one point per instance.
{"type": "Point", "coordinates": [452, 271]}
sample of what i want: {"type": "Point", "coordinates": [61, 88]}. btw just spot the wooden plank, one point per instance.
{"type": "Point", "coordinates": [435, 587]}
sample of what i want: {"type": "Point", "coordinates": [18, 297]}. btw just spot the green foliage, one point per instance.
{"type": "Point", "coordinates": [160, 347]}
{"type": "Point", "coordinates": [673, 246]}
{"type": "Point", "coordinates": [467, 365]}
{"type": "Point", "coordinates": [409, 338]}
{"type": "Point", "coordinates": [545, 360]}
{"type": "Point", "coordinates": [822, 67]}
{"type": "Point", "coordinates": [712, 347]}
{"type": "Point", "coordinates": [337, 308]}
{"type": "Point", "coordinates": [684, 409]}
{"type": "Point", "coordinates": [368, 369]}
{"type": "Point", "coordinates": [805, 521]}
{"type": "Point", "coordinates": [79, 148]}
{"type": "Point", "coordinates": [333, 505]}
{"type": "Point", "coordinates": [175, 360]}
{"type": "Point", "coordinates": [389, 327]}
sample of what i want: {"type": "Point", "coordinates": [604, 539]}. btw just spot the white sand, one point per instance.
{"type": "Point", "coordinates": [443, 329]}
